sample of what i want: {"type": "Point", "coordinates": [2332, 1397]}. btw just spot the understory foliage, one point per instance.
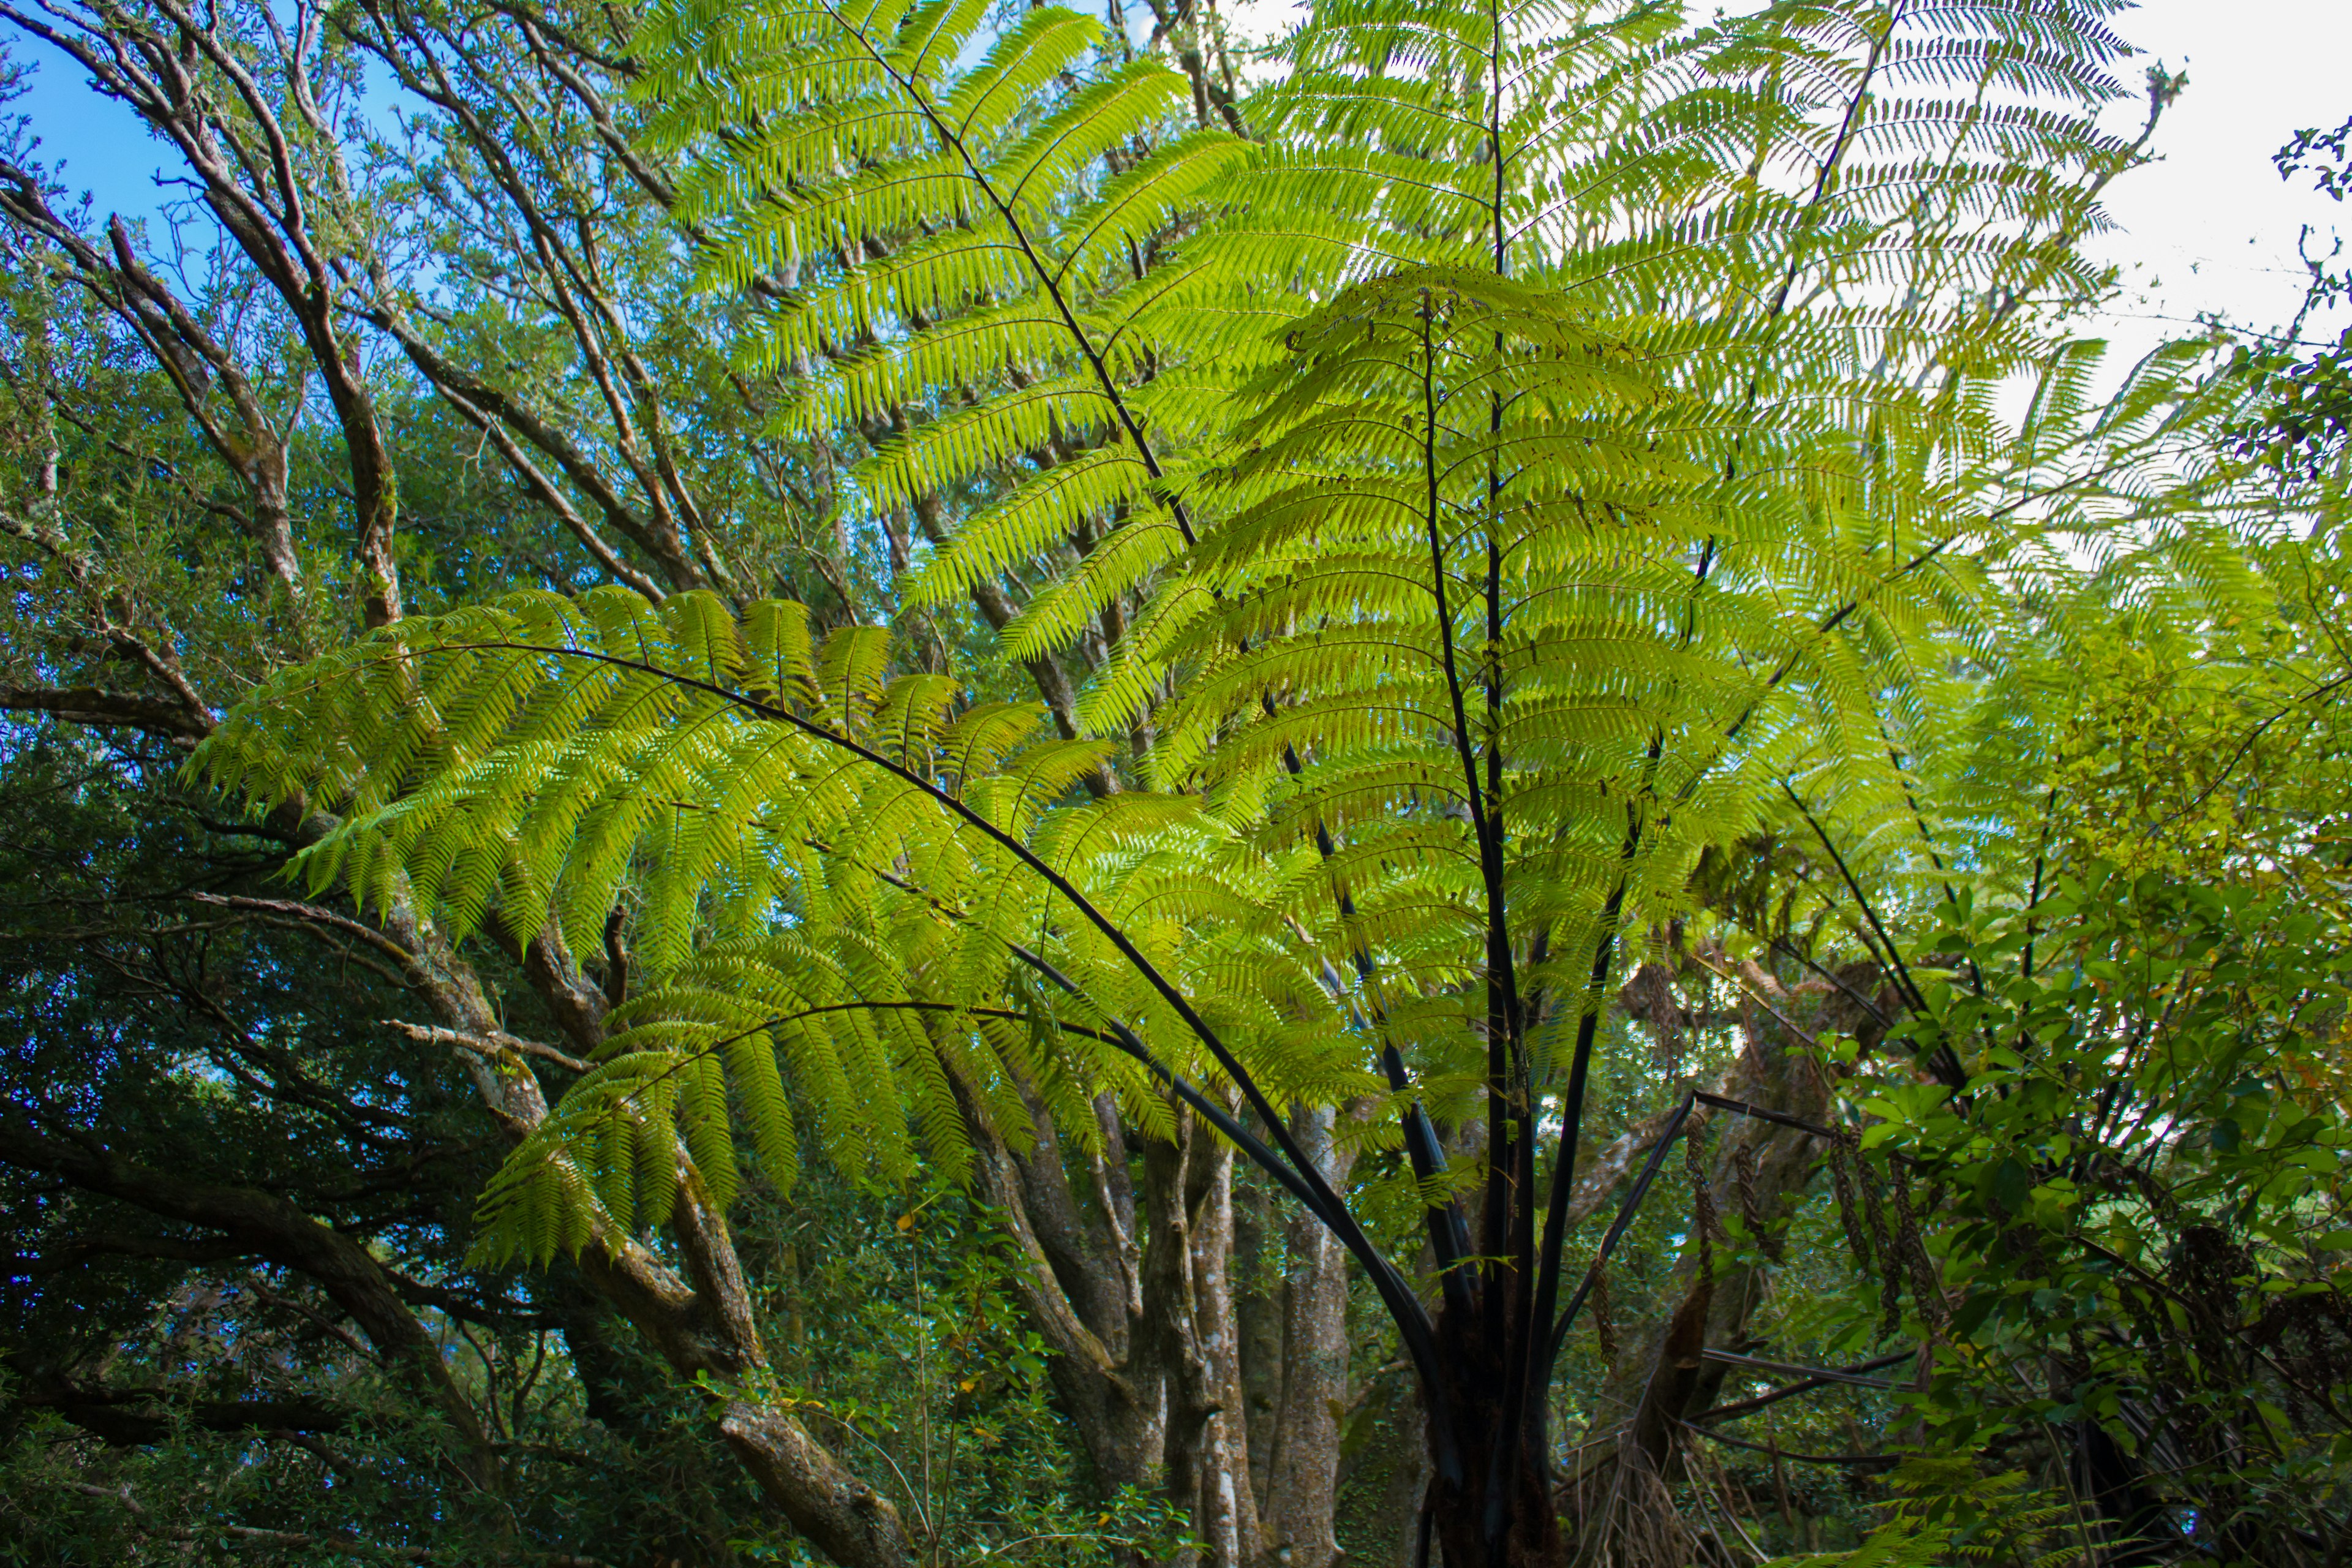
{"type": "Point", "coordinates": [1020, 740]}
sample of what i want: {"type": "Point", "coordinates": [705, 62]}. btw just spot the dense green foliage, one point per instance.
{"type": "Point", "coordinates": [1513, 611]}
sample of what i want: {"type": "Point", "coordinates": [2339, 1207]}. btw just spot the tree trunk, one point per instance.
{"type": "Point", "coordinates": [1080, 1289]}
{"type": "Point", "coordinates": [1258, 1310]}
{"type": "Point", "coordinates": [1187, 1278]}
{"type": "Point", "coordinates": [1154, 1394]}
{"type": "Point", "coordinates": [701, 1323]}
{"type": "Point", "coordinates": [1520, 1529]}
{"type": "Point", "coordinates": [1383, 1474]}
{"type": "Point", "coordinates": [1303, 1471]}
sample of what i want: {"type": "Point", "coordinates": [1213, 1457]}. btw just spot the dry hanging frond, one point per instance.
{"type": "Point", "coordinates": [1924, 1287]}
{"type": "Point", "coordinates": [1702, 1221]}
{"type": "Point", "coordinates": [1751, 1210]}
{"type": "Point", "coordinates": [1604, 1314]}
{"type": "Point", "coordinates": [1842, 1178]}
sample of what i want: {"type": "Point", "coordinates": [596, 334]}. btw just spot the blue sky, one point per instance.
{"type": "Point", "coordinates": [104, 148]}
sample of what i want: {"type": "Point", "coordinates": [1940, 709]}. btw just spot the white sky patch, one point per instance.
{"type": "Point", "coordinates": [2210, 228]}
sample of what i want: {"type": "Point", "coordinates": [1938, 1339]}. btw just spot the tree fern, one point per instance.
{"type": "Point", "coordinates": [971, 257]}
{"type": "Point", "coordinates": [797, 897]}
{"type": "Point", "coordinates": [1566, 444]}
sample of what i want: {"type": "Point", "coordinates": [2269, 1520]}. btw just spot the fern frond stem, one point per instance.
{"type": "Point", "coordinates": [2238, 753]}
{"type": "Point", "coordinates": [1118, 938]}
{"type": "Point", "coordinates": [1449, 1233]}
{"type": "Point", "coordinates": [1533, 1350]}
{"type": "Point", "coordinates": [2088, 476]}
{"type": "Point", "coordinates": [1854, 1461]}
{"type": "Point", "coordinates": [1125, 1041]}
{"type": "Point", "coordinates": [1504, 1017]}
{"type": "Point", "coordinates": [1326, 1203]}
{"type": "Point", "coordinates": [1918, 817]}
{"type": "Point", "coordinates": [1536, 1373]}
{"type": "Point", "coordinates": [1748, 1108]}
{"type": "Point", "coordinates": [1048, 279]}
{"type": "Point", "coordinates": [1861, 899]}
{"type": "Point", "coordinates": [2033, 902]}
{"type": "Point", "coordinates": [1434, 520]}
{"type": "Point", "coordinates": [1499, 1137]}
{"type": "Point", "coordinates": [1742, 988]}
{"type": "Point", "coordinates": [1945, 1062]}
{"type": "Point", "coordinates": [1358, 954]}
{"type": "Point", "coordinates": [1304, 1182]}
{"type": "Point", "coordinates": [1749, 1406]}
{"type": "Point", "coordinates": [1831, 622]}
{"type": "Point", "coordinates": [1449, 1236]}
{"type": "Point", "coordinates": [1836, 155]}
{"type": "Point", "coordinates": [1926, 839]}
{"type": "Point", "coordinates": [1495, 128]}
{"type": "Point", "coordinates": [1116, 1034]}
{"type": "Point", "coordinates": [1530, 1302]}
{"type": "Point", "coordinates": [1870, 945]}
{"type": "Point", "coordinates": [1803, 229]}
{"type": "Point", "coordinates": [1784, 945]}
{"type": "Point", "coordinates": [1626, 1212]}
{"type": "Point", "coordinates": [1503, 984]}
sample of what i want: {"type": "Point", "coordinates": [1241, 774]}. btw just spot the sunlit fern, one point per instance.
{"type": "Point", "coordinates": [829, 869]}
{"type": "Point", "coordinates": [1638, 372]}
{"type": "Point", "coordinates": [973, 255]}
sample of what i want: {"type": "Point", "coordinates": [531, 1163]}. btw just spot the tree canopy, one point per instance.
{"type": "Point", "coordinates": [918, 783]}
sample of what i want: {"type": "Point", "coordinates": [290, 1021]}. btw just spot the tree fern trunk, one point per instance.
{"type": "Point", "coordinates": [1515, 1526]}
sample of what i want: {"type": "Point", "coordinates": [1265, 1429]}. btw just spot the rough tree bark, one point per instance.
{"type": "Point", "coordinates": [1302, 1484]}
{"type": "Point", "coordinates": [1134, 1292]}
